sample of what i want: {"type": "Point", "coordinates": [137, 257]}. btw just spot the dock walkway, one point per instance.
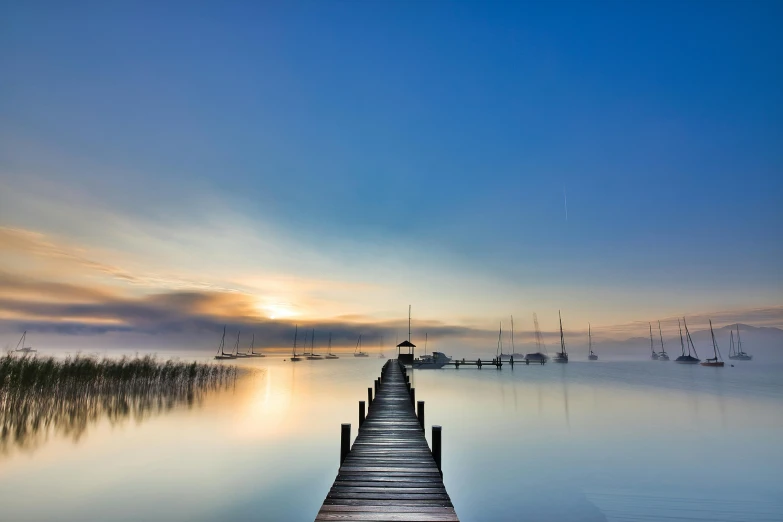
{"type": "Point", "coordinates": [389, 473]}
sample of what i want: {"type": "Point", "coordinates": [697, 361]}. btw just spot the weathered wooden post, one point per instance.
{"type": "Point", "coordinates": [408, 386]}
{"type": "Point", "coordinates": [420, 413]}
{"type": "Point", "coordinates": [345, 441]}
{"type": "Point", "coordinates": [376, 387]}
{"type": "Point", "coordinates": [361, 413]}
{"type": "Point", "coordinates": [436, 433]}
{"type": "Point", "coordinates": [369, 397]}
{"type": "Point", "coordinates": [413, 396]}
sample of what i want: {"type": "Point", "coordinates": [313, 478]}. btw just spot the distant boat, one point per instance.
{"type": "Point", "coordinates": [357, 352]}
{"type": "Point", "coordinates": [24, 349]}
{"type": "Point", "coordinates": [592, 356]}
{"type": "Point", "coordinates": [686, 359]}
{"type": "Point", "coordinates": [714, 361]}
{"type": "Point", "coordinates": [253, 353]}
{"type": "Point", "coordinates": [736, 352]}
{"type": "Point", "coordinates": [654, 355]}
{"type": "Point", "coordinates": [562, 355]}
{"type": "Point", "coordinates": [516, 356]}
{"type": "Point", "coordinates": [329, 354]}
{"type": "Point", "coordinates": [538, 356]}
{"type": "Point", "coordinates": [221, 354]}
{"type": "Point", "coordinates": [312, 355]}
{"type": "Point", "coordinates": [380, 349]}
{"type": "Point", "coordinates": [431, 362]}
{"type": "Point", "coordinates": [236, 347]}
{"type": "Point", "coordinates": [662, 355]}
{"type": "Point", "coordinates": [294, 358]}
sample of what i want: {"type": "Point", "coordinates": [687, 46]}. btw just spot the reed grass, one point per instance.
{"type": "Point", "coordinates": [40, 394]}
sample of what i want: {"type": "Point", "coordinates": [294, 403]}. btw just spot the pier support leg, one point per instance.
{"type": "Point", "coordinates": [420, 413]}
{"type": "Point", "coordinates": [413, 396]}
{"type": "Point", "coordinates": [345, 441]}
{"type": "Point", "coordinates": [436, 433]}
{"type": "Point", "coordinates": [369, 398]}
{"type": "Point", "coordinates": [376, 387]}
{"type": "Point", "coordinates": [362, 414]}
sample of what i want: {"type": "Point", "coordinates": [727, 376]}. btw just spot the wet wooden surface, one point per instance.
{"type": "Point", "coordinates": [389, 474]}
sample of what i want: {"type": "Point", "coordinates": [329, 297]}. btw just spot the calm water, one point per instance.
{"type": "Point", "coordinates": [583, 441]}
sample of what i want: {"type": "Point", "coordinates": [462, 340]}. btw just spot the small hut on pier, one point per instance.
{"type": "Point", "coordinates": [405, 358]}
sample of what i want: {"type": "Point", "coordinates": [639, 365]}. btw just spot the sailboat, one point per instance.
{"type": "Point", "coordinates": [714, 361]}
{"type": "Point", "coordinates": [562, 355]}
{"type": "Point", "coordinates": [592, 356]}
{"type": "Point", "coordinates": [220, 353]}
{"type": "Point", "coordinates": [654, 355]}
{"type": "Point", "coordinates": [380, 349]}
{"type": "Point", "coordinates": [514, 355]}
{"type": "Point", "coordinates": [329, 354]}
{"type": "Point", "coordinates": [538, 356]}
{"type": "Point", "coordinates": [24, 349]}
{"type": "Point", "coordinates": [499, 351]}
{"type": "Point", "coordinates": [312, 355]}
{"type": "Point", "coordinates": [253, 353]}
{"type": "Point", "coordinates": [736, 352]}
{"type": "Point", "coordinates": [357, 352]}
{"type": "Point", "coordinates": [687, 359]}
{"type": "Point", "coordinates": [236, 347]}
{"type": "Point", "coordinates": [294, 358]}
{"type": "Point", "coordinates": [662, 355]}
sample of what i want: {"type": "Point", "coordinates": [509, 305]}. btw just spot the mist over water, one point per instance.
{"type": "Point", "coordinates": [584, 441]}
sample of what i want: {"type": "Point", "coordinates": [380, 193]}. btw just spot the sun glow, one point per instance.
{"type": "Point", "coordinates": [278, 310]}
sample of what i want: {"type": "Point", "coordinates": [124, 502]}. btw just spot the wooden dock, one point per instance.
{"type": "Point", "coordinates": [389, 474]}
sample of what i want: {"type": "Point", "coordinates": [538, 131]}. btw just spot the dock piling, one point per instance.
{"type": "Point", "coordinates": [413, 396]}
{"type": "Point", "coordinates": [369, 398]}
{"type": "Point", "coordinates": [362, 414]}
{"type": "Point", "coordinates": [420, 413]}
{"type": "Point", "coordinates": [436, 445]}
{"type": "Point", "coordinates": [345, 441]}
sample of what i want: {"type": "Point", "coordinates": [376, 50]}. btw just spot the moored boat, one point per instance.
{"type": "Point", "coordinates": [221, 354]}
{"type": "Point", "coordinates": [736, 353]}
{"type": "Point", "coordinates": [562, 355]}
{"type": "Point", "coordinates": [294, 357]}
{"type": "Point", "coordinates": [654, 355]}
{"type": "Point", "coordinates": [329, 354]}
{"type": "Point", "coordinates": [662, 355]}
{"type": "Point", "coordinates": [687, 359]}
{"type": "Point", "coordinates": [538, 356]}
{"type": "Point", "coordinates": [592, 356]}
{"type": "Point", "coordinates": [357, 352]}
{"type": "Point", "coordinates": [713, 361]}
{"type": "Point", "coordinates": [20, 346]}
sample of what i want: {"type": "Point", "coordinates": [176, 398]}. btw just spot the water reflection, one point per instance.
{"type": "Point", "coordinates": [67, 407]}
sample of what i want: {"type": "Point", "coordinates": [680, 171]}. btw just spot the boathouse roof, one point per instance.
{"type": "Point", "coordinates": [406, 344]}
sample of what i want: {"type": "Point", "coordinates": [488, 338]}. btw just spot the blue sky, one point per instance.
{"type": "Point", "coordinates": [421, 145]}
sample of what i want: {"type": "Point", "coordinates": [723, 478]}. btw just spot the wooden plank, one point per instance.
{"type": "Point", "coordinates": [389, 473]}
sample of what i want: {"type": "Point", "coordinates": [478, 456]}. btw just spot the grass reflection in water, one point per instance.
{"type": "Point", "coordinates": [41, 395]}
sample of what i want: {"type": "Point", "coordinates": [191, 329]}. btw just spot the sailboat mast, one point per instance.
{"type": "Point", "coordinates": [222, 340]}
{"type": "Point", "coordinates": [330, 343]}
{"type": "Point", "coordinates": [690, 341]}
{"type": "Point", "coordinates": [589, 339]}
{"type": "Point", "coordinates": [651, 341]}
{"type": "Point", "coordinates": [661, 335]}
{"type": "Point", "coordinates": [562, 339]}
{"type": "Point", "coordinates": [739, 341]}
{"type": "Point", "coordinates": [682, 344]}
{"type": "Point", "coordinates": [513, 349]}
{"type": "Point", "coordinates": [236, 346]}
{"type": "Point", "coordinates": [252, 343]}
{"type": "Point", "coordinates": [296, 331]}
{"type": "Point", "coordinates": [312, 342]}
{"type": "Point", "coordinates": [714, 344]}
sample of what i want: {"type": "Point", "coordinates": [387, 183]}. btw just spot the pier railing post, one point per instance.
{"type": "Point", "coordinates": [420, 413]}
{"type": "Point", "coordinates": [345, 441]}
{"type": "Point", "coordinates": [436, 445]}
{"type": "Point", "coordinates": [369, 397]}
{"type": "Point", "coordinates": [362, 413]}
{"type": "Point", "coordinates": [413, 396]}
{"type": "Point", "coordinates": [376, 386]}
